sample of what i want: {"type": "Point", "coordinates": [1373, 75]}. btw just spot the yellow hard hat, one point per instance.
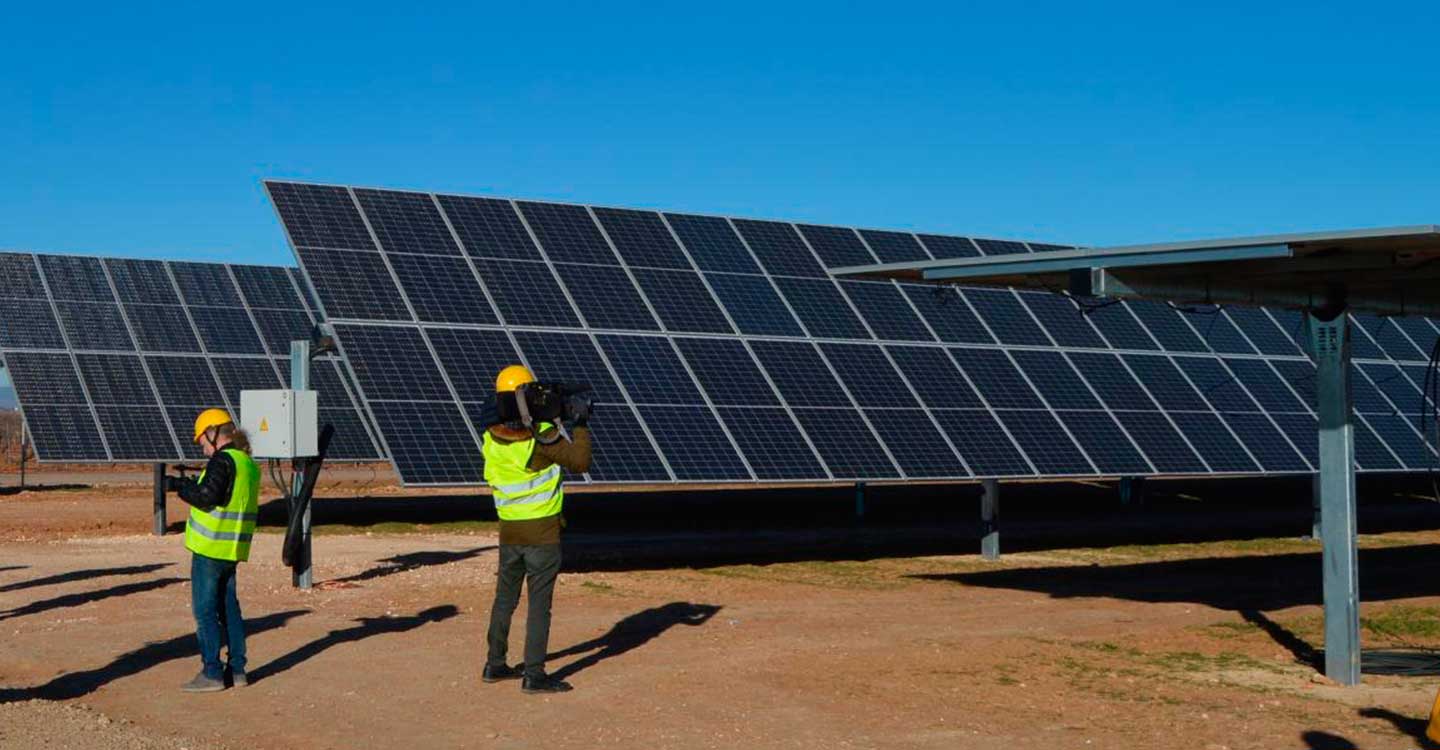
{"type": "Point", "coordinates": [210, 418]}
{"type": "Point", "coordinates": [513, 377]}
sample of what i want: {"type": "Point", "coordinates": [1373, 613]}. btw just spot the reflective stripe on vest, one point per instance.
{"type": "Point", "coordinates": [224, 533]}
{"type": "Point", "coordinates": [521, 494]}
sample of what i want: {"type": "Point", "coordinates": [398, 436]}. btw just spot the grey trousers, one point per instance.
{"type": "Point", "coordinates": [538, 564]}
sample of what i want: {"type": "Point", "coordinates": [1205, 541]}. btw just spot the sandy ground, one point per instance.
{"type": "Point", "coordinates": [1198, 645]}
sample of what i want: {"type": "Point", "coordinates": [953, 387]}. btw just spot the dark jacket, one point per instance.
{"type": "Point", "coordinates": [219, 482]}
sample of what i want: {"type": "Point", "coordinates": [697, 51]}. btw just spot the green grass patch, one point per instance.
{"type": "Point", "coordinates": [1401, 622]}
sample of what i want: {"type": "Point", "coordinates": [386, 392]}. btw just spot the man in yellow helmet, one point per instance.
{"type": "Point", "coordinates": [524, 474]}
{"type": "Point", "coordinates": [224, 504]}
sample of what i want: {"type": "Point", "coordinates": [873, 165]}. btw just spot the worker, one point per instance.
{"type": "Point", "coordinates": [224, 503]}
{"type": "Point", "coordinates": [527, 486]}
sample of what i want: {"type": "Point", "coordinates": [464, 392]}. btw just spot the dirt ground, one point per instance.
{"type": "Point", "coordinates": [1107, 630]}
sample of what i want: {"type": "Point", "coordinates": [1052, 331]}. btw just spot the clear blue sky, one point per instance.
{"type": "Point", "coordinates": [146, 131]}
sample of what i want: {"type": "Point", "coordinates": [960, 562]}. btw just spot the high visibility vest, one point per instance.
{"type": "Point", "coordinates": [519, 493]}
{"type": "Point", "coordinates": [224, 533]}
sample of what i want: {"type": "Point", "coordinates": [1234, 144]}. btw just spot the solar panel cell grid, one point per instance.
{"type": "Point", "coordinates": [914, 442]}
{"type": "Point", "coordinates": [29, 324]}
{"type": "Point", "coordinates": [682, 301]}
{"type": "Point", "coordinates": [353, 284]}
{"type": "Point", "coordinates": [884, 307]}
{"type": "Point", "coordinates": [947, 314]}
{"type": "Point", "coordinates": [980, 439]}
{"type": "Point", "coordinates": [650, 369]}
{"type": "Point", "coordinates": [320, 216]}
{"type": "Point", "coordinates": [836, 246]}
{"type": "Point", "coordinates": [772, 442]}
{"type": "Point", "coordinates": [1109, 377]}
{"type": "Point", "coordinates": [1120, 327]}
{"type": "Point", "coordinates": [779, 248]}
{"type": "Point", "coordinates": [754, 305]}
{"type": "Point", "coordinates": [726, 372]}
{"type": "Point", "coordinates": [694, 444]}
{"type": "Point", "coordinates": [567, 234]}
{"type": "Point", "coordinates": [406, 222]}
{"type": "Point", "coordinates": [845, 443]}
{"type": "Point", "coordinates": [642, 238]}
{"type": "Point", "coordinates": [712, 243]}
{"type": "Point", "coordinates": [1006, 317]}
{"type": "Point", "coordinates": [142, 281]}
{"type": "Point", "coordinates": [894, 247]}
{"type": "Point", "coordinates": [76, 278]}
{"type": "Point", "coordinates": [267, 286]}
{"type": "Point", "coordinates": [1056, 380]}
{"type": "Point", "coordinates": [472, 358]}
{"type": "Point", "coordinates": [1262, 331]}
{"type": "Point", "coordinates": [1107, 445]}
{"type": "Point", "coordinates": [1218, 332]}
{"type": "Point", "coordinates": [64, 433]}
{"type": "Point", "coordinates": [997, 379]}
{"type": "Point", "coordinates": [162, 328]}
{"type": "Point", "coordinates": [489, 228]}
{"type": "Point", "coordinates": [621, 452]}
{"type": "Point", "coordinates": [822, 309]}
{"type": "Point", "coordinates": [1165, 383]}
{"type": "Point", "coordinates": [935, 377]}
{"type": "Point", "coordinates": [19, 277]}
{"type": "Point", "coordinates": [1166, 450]}
{"type": "Point", "coordinates": [606, 297]}
{"type": "Point", "coordinates": [442, 289]}
{"type": "Point", "coordinates": [943, 246]}
{"type": "Point", "coordinates": [1045, 442]}
{"type": "Point", "coordinates": [868, 374]}
{"type": "Point", "coordinates": [1065, 322]}
{"type": "Point", "coordinates": [526, 294]}
{"type": "Point", "coordinates": [1266, 442]}
{"type": "Point", "coordinates": [799, 373]}
{"type": "Point", "coordinates": [94, 325]}
{"type": "Point", "coordinates": [1166, 325]}
{"type": "Point", "coordinates": [393, 363]}
{"type": "Point", "coordinates": [1214, 442]}
{"type": "Point", "coordinates": [1001, 247]}
{"type": "Point", "coordinates": [227, 330]}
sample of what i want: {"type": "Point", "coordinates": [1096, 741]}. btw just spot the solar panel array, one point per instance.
{"type": "Point", "coordinates": [722, 351]}
{"type": "Point", "coordinates": [112, 358]}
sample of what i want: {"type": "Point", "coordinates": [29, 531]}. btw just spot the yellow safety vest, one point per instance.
{"type": "Point", "coordinates": [519, 493]}
{"type": "Point", "coordinates": [224, 533]}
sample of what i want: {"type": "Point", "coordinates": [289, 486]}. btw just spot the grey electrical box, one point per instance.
{"type": "Point", "coordinates": [281, 423]}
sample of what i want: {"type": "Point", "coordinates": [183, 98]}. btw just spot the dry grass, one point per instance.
{"type": "Point", "coordinates": [10, 440]}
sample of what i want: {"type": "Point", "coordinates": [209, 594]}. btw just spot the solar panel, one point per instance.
{"type": "Point", "coordinates": [721, 350]}
{"type": "Point", "coordinates": [123, 353]}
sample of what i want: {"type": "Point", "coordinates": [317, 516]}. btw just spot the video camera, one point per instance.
{"type": "Point", "coordinates": [565, 405]}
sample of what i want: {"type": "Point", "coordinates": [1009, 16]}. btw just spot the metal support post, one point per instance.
{"type": "Point", "coordinates": [990, 520]}
{"type": "Point", "coordinates": [1330, 346]}
{"type": "Point", "coordinates": [1132, 491]}
{"type": "Point", "coordinates": [303, 577]}
{"type": "Point", "coordinates": [159, 506]}
{"type": "Point", "coordinates": [24, 449]}
{"type": "Point", "coordinates": [1315, 507]}
{"type": "Point", "coordinates": [859, 501]}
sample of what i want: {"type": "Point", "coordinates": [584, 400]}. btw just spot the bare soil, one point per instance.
{"type": "Point", "coordinates": [1176, 626]}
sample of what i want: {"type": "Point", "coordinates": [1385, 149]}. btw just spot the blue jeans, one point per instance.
{"type": "Point", "coordinates": [217, 611]}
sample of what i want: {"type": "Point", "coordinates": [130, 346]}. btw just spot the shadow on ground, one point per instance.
{"type": "Point", "coordinates": [86, 597]}
{"type": "Point", "coordinates": [76, 684]}
{"type": "Point", "coordinates": [80, 575]}
{"type": "Point", "coordinates": [631, 633]}
{"type": "Point", "coordinates": [1412, 727]}
{"type": "Point", "coordinates": [411, 561]}
{"type": "Point", "coordinates": [13, 490]}
{"type": "Point", "coordinates": [368, 627]}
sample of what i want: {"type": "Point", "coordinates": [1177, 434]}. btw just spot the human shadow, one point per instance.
{"type": "Point", "coordinates": [633, 632]}
{"type": "Point", "coordinates": [410, 561]}
{"type": "Point", "coordinates": [1315, 739]}
{"type": "Point", "coordinates": [1298, 647]}
{"type": "Point", "coordinates": [81, 575]}
{"type": "Point", "coordinates": [75, 684]}
{"type": "Point", "coordinates": [86, 597]}
{"type": "Point", "coordinates": [1412, 727]}
{"type": "Point", "coordinates": [368, 627]}
{"type": "Point", "coordinates": [6, 568]}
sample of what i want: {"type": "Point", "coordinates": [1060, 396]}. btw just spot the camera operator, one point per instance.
{"type": "Point", "coordinates": [523, 465]}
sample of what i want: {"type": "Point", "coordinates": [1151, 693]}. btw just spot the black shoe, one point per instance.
{"type": "Point", "coordinates": [544, 684]}
{"type": "Point", "coordinates": [501, 673]}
